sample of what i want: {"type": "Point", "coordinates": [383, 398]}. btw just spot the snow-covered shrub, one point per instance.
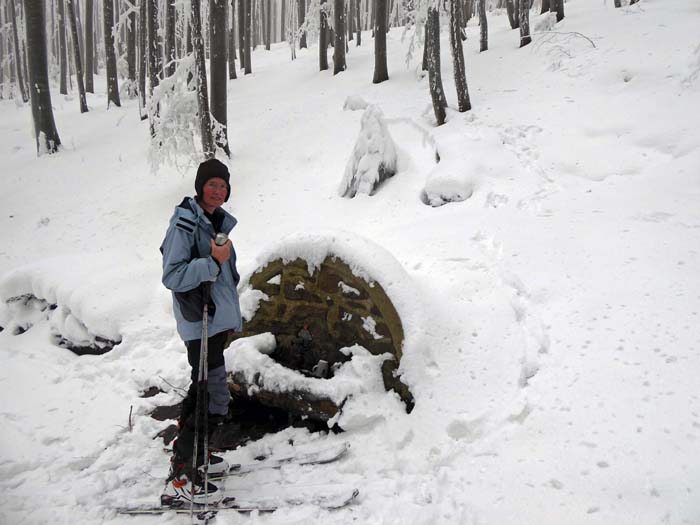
{"type": "Point", "coordinates": [173, 114]}
{"type": "Point", "coordinates": [355, 103]}
{"type": "Point", "coordinates": [373, 158]}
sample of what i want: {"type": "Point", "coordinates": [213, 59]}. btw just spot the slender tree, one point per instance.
{"type": "Point", "coordinates": [111, 59]}
{"type": "Point", "coordinates": [483, 27]}
{"type": "Point", "coordinates": [131, 53]}
{"type": "Point", "coordinates": [339, 63]}
{"type": "Point", "coordinates": [247, 32]}
{"type": "Point", "coordinates": [143, 54]}
{"type": "Point", "coordinates": [155, 61]}
{"type": "Point", "coordinates": [322, 38]}
{"type": "Point", "coordinates": [558, 7]}
{"type": "Point", "coordinates": [217, 69]}
{"type": "Point", "coordinates": [437, 93]}
{"type": "Point", "coordinates": [17, 52]}
{"type": "Point", "coordinates": [381, 72]}
{"type": "Point", "coordinates": [545, 6]}
{"type": "Point", "coordinates": [232, 43]}
{"type": "Point", "coordinates": [267, 17]}
{"type": "Point", "coordinates": [201, 76]}
{"type": "Point", "coordinates": [2, 55]}
{"type": "Point", "coordinates": [62, 47]}
{"type": "Point", "coordinates": [89, 46]}
{"type": "Point", "coordinates": [283, 21]}
{"type": "Point", "coordinates": [42, 113]}
{"type": "Point", "coordinates": [302, 15]}
{"type": "Point", "coordinates": [76, 54]}
{"type": "Point", "coordinates": [525, 38]}
{"type": "Point", "coordinates": [358, 22]}
{"type": "Point", "coordinates": [169, 44]}
{"type": "Point", "coordinates": [512, 8]}
{"type": "Point", "coordinates": [241, 32]}
{"type": "Point", "coordinates": [463, 102]}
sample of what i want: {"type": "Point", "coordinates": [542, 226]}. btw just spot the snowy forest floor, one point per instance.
{"type": "Point", "coordinates": [559, 378]}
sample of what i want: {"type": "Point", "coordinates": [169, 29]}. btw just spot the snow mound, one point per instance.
{"type": "Point", "coordinates": [355, 103]}
{"type": "Point", "coordinates": [368, 261]}
{"type": "Point", "coordinates": [373, 158]}
{"type": "Point", "coordinates": [545, 22]}
{"type": "Point", "coordinates": [693, 67]}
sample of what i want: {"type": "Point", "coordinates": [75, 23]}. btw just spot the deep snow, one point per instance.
{"type": "Point", "coordinates": [557, 380]}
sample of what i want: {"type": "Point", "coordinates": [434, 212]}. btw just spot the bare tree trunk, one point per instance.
{"type": "Point", "coordinates": [111, 59]}
{"type": "Point", "coordinates": [463, 102]}
{"type": "Point", "coordinates": [18, 51]}
{"type": "Point", "coordinates": [155, 61]}
{"type": "Point", "coordinates": [302, 15]}
{"type": "Point", "coordinates": [512, 8]}
{"type": "Point", "coordinates": [232, 43]}
{"type": "Point", "coordinates": [241, 32]}
{"type": "Point", "coordinates": [437, 93]}
{"type": "Point", "coordinates": [424, 65]}
{"type": "Point", "coordinates": [381, 72]}
{"type": "Point", "coordinates": [42, 113]}
{"type": "Point", "coordinates": [143, 53]}
{"type": "Point", "coordinates": [217, 69]}
{"type": "Point", "coordinates": [169, 47]}
{"type": "Point", "coordinates": [131, 53]}
{"type": "Point", "coordinates": [76, 53]}
{"type": "Point", "coordinates": [322, 36]}
{"type": "Point", "coordinates": [358, 7]}
{"type": "Point", "coordinates": [545, 6]}
{"type": "Point", "coordinates": [559, 8]}
{"type": "Point", "coordinates": [248, 29]}
{"type": "Point", "coordinates": [268, 23]}
{"type": "Point", "coordinates": [483, 27]}
{"type": "Point", "coordinates": [89, 46]}
{"type": "Point", "coordinates": [202, 96]}
{"type": "Point", "coordinates": [339, 63]}
{"type": "Point", "coordinates": [2, 55]}
{"type": "Point", "coordinates": [62, 46]}
{"type": "Point", "coordinates": [350, 17]}
{"type": "Point", "coordinates": [525, 38]}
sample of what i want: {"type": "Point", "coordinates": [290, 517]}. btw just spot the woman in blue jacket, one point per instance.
{"type": "Point", "coordinates": [192, 262]}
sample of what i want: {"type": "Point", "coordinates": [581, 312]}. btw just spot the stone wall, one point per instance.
{"type": "Point", "coordinates": [314, 315]}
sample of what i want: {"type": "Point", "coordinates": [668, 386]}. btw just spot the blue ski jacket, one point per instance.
{"type": "Point", "coordinates": [188, 267]}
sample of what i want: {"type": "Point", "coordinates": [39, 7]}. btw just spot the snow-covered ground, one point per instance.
{"type": "Point", "coordinates": [557, 379]}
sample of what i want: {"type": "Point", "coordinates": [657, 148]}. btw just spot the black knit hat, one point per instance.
{"type": "Point", "coordinates": [211, 169]}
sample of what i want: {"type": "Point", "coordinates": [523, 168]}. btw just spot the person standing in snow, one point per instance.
{"type": "Point", "coordinates": [191, 263]}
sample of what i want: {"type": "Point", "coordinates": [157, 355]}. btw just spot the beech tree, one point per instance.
{"type": "Point", "coordinates": [322, 37]}
{"type": "Point", "coordinates": [62, 49]}
{"type": "Point", "coordinates": [111, 59]}
{"type": "Point", "coordinates": [483, 27]}
{"type": "Point", "coordinates": [463, 102]}
{"type": "Point", "coordinates": [513, 10]}
{"type": "Point", "coordinates": [89, 47]}
{"type": "Point", "coordinates": [77, 58]}
{"type": "Point", "coordinates": [217, 69]}
{"type": "Point", "coordinates": [525, 38]}
{"type": "Point", "coordinates": [232, 43]}
{"type": "Point", "coordinates": [45, 131]}
{"type": "Point", "coordinates": [381, 72]}
{"type": "Point", "coordinates": [301, 14]}
{"type": "Point", "coordinates": [143, 53]}
{"type": "Point", "coordinates": [339, 63]}
{"type": "Point", "coordinates": [201, 80]}
{"type": "Point", "coordinates": [437, 93]}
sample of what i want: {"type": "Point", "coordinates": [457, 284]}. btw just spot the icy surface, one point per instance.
{"type": "Point", "coordinates": [556, 357]}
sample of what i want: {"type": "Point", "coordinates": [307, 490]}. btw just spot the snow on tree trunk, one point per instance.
{"type": "Point", "coordinates": [437, 93]}
{"type": "Point", "coordinates": [483, 27]}
{"type": "Point", "coordinates": [247, 33]}
{"type": "Point", "coordinates": [89, 46]}
{"type": "Point", "coordinates": [381, 72]}
{"type": "Point", "coordinates": [201, 78]}
{"type": "Point", "coordinates": [339, 47]}
{"type": "Point", "coordinates": [302, 15]}
{"type": "Point", "coordinates": [525, 37]}
{"type": "Point", "coordinates": [217, 70]}
{"type": "Point", "coordinates": [373, 158]}
{"type": "Point", "coordinates": [76, 51]}
{"type": "Point", "coordinates": [463, 102]}
{"type": "Point", "coordinates": [45, 132]}
{"type": "Point", "coordinates": [111, 59]}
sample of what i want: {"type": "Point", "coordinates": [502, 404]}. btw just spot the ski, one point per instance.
{"type": "Point", "coordinates": [327, 501]}
{"type": "Point", "coordinates": [315, 457]}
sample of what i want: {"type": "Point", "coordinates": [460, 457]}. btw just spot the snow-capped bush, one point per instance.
{"type": "Point", "coordinates": [373, 158]}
